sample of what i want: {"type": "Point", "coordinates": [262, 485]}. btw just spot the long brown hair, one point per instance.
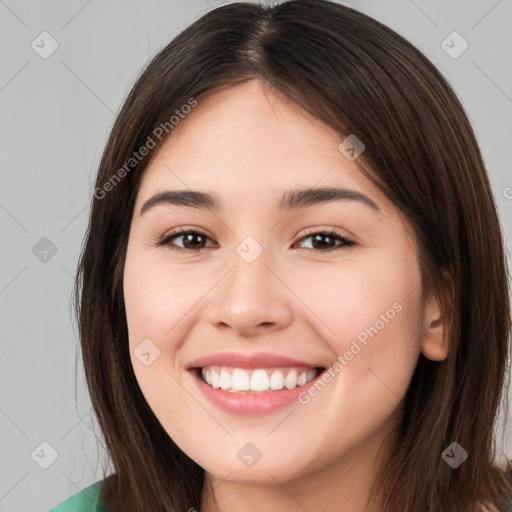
{"type": "Point", "coordinates": [359, 77]}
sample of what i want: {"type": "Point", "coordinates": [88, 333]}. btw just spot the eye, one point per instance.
{"type": "Point", "coordinates": [194, 240]}
{"type": "Point", "coordinates": [331, 236]}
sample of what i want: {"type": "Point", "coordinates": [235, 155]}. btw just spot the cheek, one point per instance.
{"type": "Point", "coordinates": [156, 297]}
{"type": "Point", "coordinates": [155, 301]}
{"type": "Point", "coordinates": [164, 304]}
{"type": "Point", "coordinates": [369, 314]}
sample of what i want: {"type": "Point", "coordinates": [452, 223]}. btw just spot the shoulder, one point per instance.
{"type": "Point", "coordinates": [87, 500]}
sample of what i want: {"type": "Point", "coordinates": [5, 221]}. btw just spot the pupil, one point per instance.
{"type": "Point", "coordinates": [317, 237]}
{"type": "Point", "coordinates": [189, 236]}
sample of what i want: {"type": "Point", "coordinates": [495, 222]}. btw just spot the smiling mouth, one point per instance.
{"type": "Point", "coordinates": [257, 380]}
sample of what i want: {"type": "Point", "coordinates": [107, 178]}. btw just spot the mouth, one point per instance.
{"type": "Point", "coordinates": [257, 380]}
{"type": "Point", "coordinates": [252, 384]}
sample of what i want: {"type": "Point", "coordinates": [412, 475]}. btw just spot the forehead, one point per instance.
{"type": "Point", "coordinates": [249, 140]}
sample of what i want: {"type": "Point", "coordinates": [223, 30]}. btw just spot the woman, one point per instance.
{"type": "Point", "coordinates": [350, 356]}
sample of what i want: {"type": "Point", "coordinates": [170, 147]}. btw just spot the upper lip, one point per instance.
{"type": "Point", "coordinates": [239, 360]}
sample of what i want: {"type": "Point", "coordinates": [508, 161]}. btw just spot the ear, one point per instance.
{"type": "Point", "coordinates": [435, 342]}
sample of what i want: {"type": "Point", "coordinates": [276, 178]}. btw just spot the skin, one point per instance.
{"type": "Point", "coordinates": [247, 145]}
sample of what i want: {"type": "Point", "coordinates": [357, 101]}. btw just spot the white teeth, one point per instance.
{"type": "Point", "coordinates": [215, 380]}
{"type": "Point", "coordinates": [240, 380]}
{"type": "Point", "coordinates": [259, 380]}
{"type": "Point", "coordinates": [290, 381]}
{"type": "Point", "coordinates": [277, 380]}
{"type": "Point", "coordinates": [225, 379]}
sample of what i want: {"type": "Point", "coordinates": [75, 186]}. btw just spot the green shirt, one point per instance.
{"type": "Point", "coordinates": [87, 501]}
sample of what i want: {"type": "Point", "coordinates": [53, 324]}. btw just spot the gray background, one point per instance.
{"type": "Point", "coordinates": [55, 114]}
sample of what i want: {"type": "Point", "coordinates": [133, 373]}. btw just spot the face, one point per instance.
{"type": "Point", "coordinates": [304, 318]}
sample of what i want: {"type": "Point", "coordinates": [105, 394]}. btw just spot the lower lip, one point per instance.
{"type": "Point", "coordinates": [261, 403]}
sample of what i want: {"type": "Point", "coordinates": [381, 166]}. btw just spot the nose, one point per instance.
{"type": "Point", "coordinates": [252, 298]}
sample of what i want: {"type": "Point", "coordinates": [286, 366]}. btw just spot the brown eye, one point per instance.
{"type": "Point", "coordinates": [324, 241]}
{"type": "Point", "coordinates": [192, 240]}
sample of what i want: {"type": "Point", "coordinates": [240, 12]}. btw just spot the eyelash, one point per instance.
{"type": "Point", "coordinates": [176, 233]}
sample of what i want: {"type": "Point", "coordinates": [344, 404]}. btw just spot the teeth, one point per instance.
{"type": "Point", "coordinates": [240, 380]}
{"type": "Point", "coordinates": [225, 380]}
{"type": "Point", "coordinates": [215, 380]}
{"type": "Point", "coordinates": [259, 380]}
{"type": "Point", "coordinates": [290, 381]}
{"type": "Point", "coordinates": [277, 380]}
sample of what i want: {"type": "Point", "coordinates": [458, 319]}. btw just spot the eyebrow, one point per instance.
{"type": "Point", "coordinates": [290, 200]}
